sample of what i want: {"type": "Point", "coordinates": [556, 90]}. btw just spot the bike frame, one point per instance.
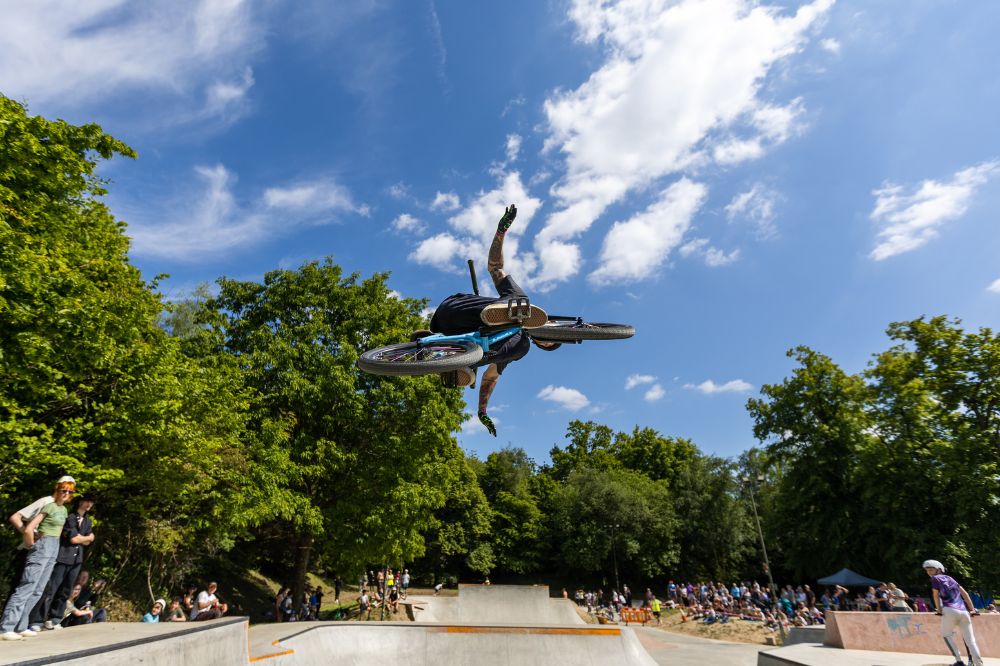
{"type": "Point", "coordinates": [484, 340]}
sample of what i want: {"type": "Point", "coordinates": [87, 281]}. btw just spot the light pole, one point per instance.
{"type": "Point", "coordinates": [614, 554]}
{"type": "Point", "coordinates": [767, 564]}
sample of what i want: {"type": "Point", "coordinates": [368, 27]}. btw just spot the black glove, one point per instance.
{"type": "Point", "coordinates": [508, 219]}
{"type": "Point", "coordinates": [488, 422]}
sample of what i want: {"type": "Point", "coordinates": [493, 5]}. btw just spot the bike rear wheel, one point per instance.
{"type": "Point", "coordinates": [566, 329]}
{"type": "Point", "coordinates": [414, 358]}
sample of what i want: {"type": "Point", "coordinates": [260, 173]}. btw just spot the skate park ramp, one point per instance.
{"type": "Point", "coordinates": [502, 625]}
{"type": "Point", "coordinates": [523, 604]}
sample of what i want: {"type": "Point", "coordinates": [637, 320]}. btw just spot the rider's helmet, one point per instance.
{"type": "Point", "coordinates": [933, 564]}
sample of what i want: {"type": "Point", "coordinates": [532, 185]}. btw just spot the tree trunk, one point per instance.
{"type": "Point", "coordinates": [302, 555]}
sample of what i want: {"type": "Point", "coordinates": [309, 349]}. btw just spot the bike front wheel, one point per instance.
{"type": "Point", "coordinates": [413, 358]}
{"type": "Point", "coordinates": [572, 330]}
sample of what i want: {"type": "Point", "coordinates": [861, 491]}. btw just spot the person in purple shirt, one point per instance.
{"type": "Point", "coordinates": [954, 605]}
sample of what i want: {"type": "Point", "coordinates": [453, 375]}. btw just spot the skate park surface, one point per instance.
{"type": "Point", "coordinates": [483, 625]}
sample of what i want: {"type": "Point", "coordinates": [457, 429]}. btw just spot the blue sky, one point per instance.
{"type": "Point", "coordinates": [732, 178]}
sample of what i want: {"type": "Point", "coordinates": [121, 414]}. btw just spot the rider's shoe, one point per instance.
{"type": "Point", "coordinates": [417, 335]}
{"type": "Point", "coordinates": [459, 378]}
{"type": "Point", "coordinates": [500, 314]}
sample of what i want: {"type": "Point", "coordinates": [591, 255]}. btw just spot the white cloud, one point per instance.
{"type": "Point", "coordinates": [995, 287]}
{"type": "Point", "coordinates": [712, 256]}
{"type": "Point", "coordinates": [446, 201]}
{"type": "Point", "coordinates": [655, 392]}
{"type": "Point", "coordinates": [911, 220]}
{"type": "Point", "coordinates": [568, 398]}
{"type": "Point", "coordinates": [406, 222]}
{"type": "Point", "coordinates": [175, 55]}
{"type": "Point", "coordinates": [830, 44]}
{"type": "Point", "coordinates": [398, 190]}
{"type": "Point", "coordinates": [708, 387]}
{"type": "Point", "coordinates": [634, 249]}
{"type": "Point", "coordinates": [679, 82]}
{"type": "Point", "coordinates": [638, 380]}
{"type": "Point", "coordinates": [513, 146]}
{"type": "Point", "coordinates": [756, 205]}
{"type": "Point", "coordinates": [211, 220]}
{"type": "Point", "coordinates": [473, 228]}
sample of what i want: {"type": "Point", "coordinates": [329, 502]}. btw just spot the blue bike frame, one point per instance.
{"type": "Point", "coordinates": [484, 341]}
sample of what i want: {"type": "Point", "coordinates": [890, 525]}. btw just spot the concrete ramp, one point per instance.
{"type": "Point", "coordinates": [526, 605]}
{"type": "Point", "coordinates": [357, 644]}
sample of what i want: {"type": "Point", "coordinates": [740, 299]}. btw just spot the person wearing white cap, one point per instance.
{"type": "Point", "coordinates": [954, 605]}
{"type": "Point", "coordinates": [154, 613]}
{"type": "Point", "coordinates": [40, 538]}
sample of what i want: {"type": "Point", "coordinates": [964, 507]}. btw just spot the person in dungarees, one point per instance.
{"type": "Point", "coordinates": [462, 313]}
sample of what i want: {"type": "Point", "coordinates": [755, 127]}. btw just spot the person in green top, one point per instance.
{"type": "Point", "coordinates": [48, 522]}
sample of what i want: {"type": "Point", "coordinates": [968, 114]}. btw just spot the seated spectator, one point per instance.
{"type": "Point", "coordinates": [175, 613]}
{"type": "Point", "coordinates": [154, 613]}
{"type": "Point", "coordinates": [393, 600]}
{"type": "Point", "coordinates": [189, 600]}
{"type": "Point", "coordinates": [208, 606]}
{"type": "Point", "coordinates": [75, 615]}
{"type": "Point", "coordinates": [90, 596]}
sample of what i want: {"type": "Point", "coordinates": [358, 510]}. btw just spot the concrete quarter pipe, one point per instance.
{"type": "Point", "coordinates": [485, 625]}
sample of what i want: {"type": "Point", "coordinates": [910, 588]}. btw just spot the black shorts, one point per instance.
{"type": "Point", "coordinates": [459, 313]}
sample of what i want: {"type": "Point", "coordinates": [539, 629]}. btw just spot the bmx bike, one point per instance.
{"type": "Point", "coordinates": [437, 353]}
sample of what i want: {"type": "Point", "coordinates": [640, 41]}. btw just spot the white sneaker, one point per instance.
{"type": "Point", "coordinates": [57, 626]}
{"type": "Point", "coordinates": [35, 628]}
{"type": "Point", "coordinates": [48, 624]}
{"type": "Point", "coordinates": [12, 636]}
{"type": "Point", "coordinates": [28, 633]}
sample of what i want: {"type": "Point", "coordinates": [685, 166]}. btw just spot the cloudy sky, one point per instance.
{"type": "Point", "coordinates": [733, 178]}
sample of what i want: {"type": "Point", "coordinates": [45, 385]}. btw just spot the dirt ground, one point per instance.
{"type": "Point", "coordinates": [736, 631]}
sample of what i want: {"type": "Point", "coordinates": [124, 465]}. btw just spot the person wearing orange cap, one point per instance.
{"type": "Point", "coordinates": [42, 551]}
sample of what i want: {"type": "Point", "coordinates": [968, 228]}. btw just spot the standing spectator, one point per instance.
{"type": "Point", "coordinates": [175, 613]}
{"type": "Point", "coordinates": [672, 591]}
{"type": "Point", "coordinates": [390, 580]}
{"type": "Point", "coordinates": [154, 613]}
{"type": "Point", "coordinates": [953, 604]}
{"type": "Point", "coordinates": [882, 595]}
{"type": "Point", "coordinates": [38, 566]}
{"type": "Point", "coordinates": [208, 606]}
{"type": "Point", "coordinates": [20, 519]}
{"type": "Point", "coordinates": [654, 605]}
{"type": "Point", "coordinates": [77, 612]}
{"type": "Point", "coordinates": [363, 603]}
{"type": "Point", "coordinates": [77, 534]}
{"type": "Point", "coordinates": [338, 585]}
{"type": "Point", "coordinates": [316, 602]}
{"type": "Point", "coordinates": [279, 602]}
{"type": "Point", "coordinates": [405, 582]}
{"type": "Point", "coordinates": [810, 597]}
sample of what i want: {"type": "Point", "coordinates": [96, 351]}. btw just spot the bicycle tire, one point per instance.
{"type": "Point", "coordinates": [413, 358]}
{"type": "Point", "coordinates": [571, 330]}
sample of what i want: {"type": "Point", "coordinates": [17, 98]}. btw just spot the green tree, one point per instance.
{"type": "Point", "coordinates": [591, 501]}
{"type": "Point", "coordinates": [518, 522]}
{"type": "Point", "coordinates": [367, 460]}
{"type": "Point", "coordinates": [89, 384]}
{"type": "Point", "coordinates": [816, 422]}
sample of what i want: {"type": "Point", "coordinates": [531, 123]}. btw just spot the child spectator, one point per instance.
{"type": "Point", "coordinates": [154, 613]}
{"type": "Point", "coordinates": [175, 613]}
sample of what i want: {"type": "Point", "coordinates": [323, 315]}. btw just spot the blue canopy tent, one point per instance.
{"type": "Point", "coordinates": [847, 578]}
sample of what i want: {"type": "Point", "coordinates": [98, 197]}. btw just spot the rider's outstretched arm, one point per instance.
{"type": "Point", "coordinates": [486, 386]}
{"type": "Point", "coordinates": [494, 261]}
